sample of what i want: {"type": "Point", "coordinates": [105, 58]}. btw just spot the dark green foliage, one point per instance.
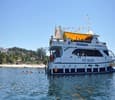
{"type": "Point", "coordinates": [19, 56]}
{"type": "Point", "coordinates": [41, 53]}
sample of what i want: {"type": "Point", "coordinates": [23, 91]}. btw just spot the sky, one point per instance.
{"type": "Point", "coordinates": [30, 23]}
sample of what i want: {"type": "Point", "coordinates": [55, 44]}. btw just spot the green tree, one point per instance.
{"type": "Point", "coordinates": [41, 53]}
{"type": "Point", "coordinates": [15, 55]}
{"type": "Point", "coordinates": [3, 58]}
{"type": "Point", "coordinates": [45, 60]}
{"type": "Point", "coordinates": [0, 58]}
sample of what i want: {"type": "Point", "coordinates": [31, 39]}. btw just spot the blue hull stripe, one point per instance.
{"type": "Point", "coordinates": [81, 63]}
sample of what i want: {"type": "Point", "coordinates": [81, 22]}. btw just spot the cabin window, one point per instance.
{"type": "Point", "coordinates": [55, 70]}
{"type": "Point", "coordinates": [95, 69]}
{"type": "Point", "coordinates": [88, 69]}
{"type": "Point", "coordinates": [80, 70]}
{"type": "Point", "coordinates": [109, 68]}
{"type": "Point", "coordinates": [85, 52]}
{"type": "Point", "coordinates": [106, 52]}
{"type": "Point", "coordinates": [66, 70]}
{"type": "Point", "coordinates": [102, 69]}
{"type": "Point", "coordinates": [56, 52]}
{"type": "Point", "coordinates": [72, 70]}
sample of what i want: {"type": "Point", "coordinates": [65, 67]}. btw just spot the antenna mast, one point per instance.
{"type": "Point", "coordinates": [88, 23]}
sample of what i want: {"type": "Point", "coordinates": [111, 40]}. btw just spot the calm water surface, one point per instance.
{"type": "Point", "coordinates": [34, 84]}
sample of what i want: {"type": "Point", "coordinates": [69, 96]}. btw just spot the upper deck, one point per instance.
{"type": "Point", "coordinates": [68, 43]}
{"type": "Point", "coordinates": [72, 39]}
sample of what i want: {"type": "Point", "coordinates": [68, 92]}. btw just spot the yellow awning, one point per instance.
{"type": "Point", "coordinates": [77, 36]}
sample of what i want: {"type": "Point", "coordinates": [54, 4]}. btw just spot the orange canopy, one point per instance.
{"type": "Point", "coordinates": [77, 36]}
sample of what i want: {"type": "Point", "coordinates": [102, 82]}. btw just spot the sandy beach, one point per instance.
{"type": "Point", "coordinates": [23, 65]}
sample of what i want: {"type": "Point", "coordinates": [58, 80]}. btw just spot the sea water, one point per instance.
{"type": "Point", "coordinates": [35, 84]}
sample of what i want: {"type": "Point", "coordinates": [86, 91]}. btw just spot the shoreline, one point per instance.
{"type": "Point", "coordinates": [23, 65]}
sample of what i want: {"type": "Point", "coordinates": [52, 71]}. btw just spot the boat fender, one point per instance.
{"type": "Point", "coordinates": [51, 58]}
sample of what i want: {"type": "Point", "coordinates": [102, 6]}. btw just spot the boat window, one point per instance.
{"type": "Point", "coordinates": [102, 69]}
{"type": "Point", "coordinates": [85, 52]}
{"type": "Point", "coordinates": [106, 52]}
{"type": "Point", "coordinates": [80, 70]}
{"type": "Point", "coordinates": [72, 70]}
{"type": "Point", "coordinates": [66, 70]}
{"type": "Point", "coordinates": [95, 69]}
{"type": "Point", "coordinates": [88, 69]}
{"type": "Point", "coordinates": [55, 70]}
{"type": "Point", "coordinates": [56, 52]}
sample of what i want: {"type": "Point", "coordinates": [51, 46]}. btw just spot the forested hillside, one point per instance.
{"type": "Point", "coordinates": [17, 55]}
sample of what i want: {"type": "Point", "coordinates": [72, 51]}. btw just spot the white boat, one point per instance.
{"type": "Point", "coordinates": [78, 53]}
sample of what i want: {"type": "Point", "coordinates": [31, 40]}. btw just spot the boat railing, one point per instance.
{"type": "Point", "coordinates": [101, 43]}
{"type": "Point", "coordinates": [112, 55]}
{"type": "Point", "coordinates": [61, 42]}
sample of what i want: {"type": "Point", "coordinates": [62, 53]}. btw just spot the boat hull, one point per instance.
{"type": "Point", "coordinates": [82, 71]}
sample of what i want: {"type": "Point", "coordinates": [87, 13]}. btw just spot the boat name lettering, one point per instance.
{"type": "Point", "coordinates": [81, 44]}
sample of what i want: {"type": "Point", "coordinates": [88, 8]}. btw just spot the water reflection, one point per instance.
{"type": "Point", "coordinates": [88, 87]}
{"type": "Point", "coordinates": [33, 84]}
